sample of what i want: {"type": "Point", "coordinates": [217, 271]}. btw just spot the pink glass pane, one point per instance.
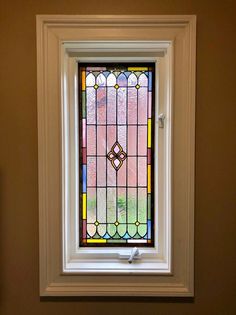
{"type": "Point", "coordinates": [101, 105]}
{"type": "Point", "coordinates": [121, 105]}
{"type": "Point", "coordinates": [132, 105]}
{"type": "Point", "coordinates": [143, 80]}
{"type": "Point", "coordinates": [91, 140]}
{"type": "Point", "coordinates": [122, 136]}
{"type": "Point", "coordinates": [90, 91]}
{"type": "Point", "coordinates": [91, 169]}
{"type": "Point", "coordinates": [132, 140]}
{"type": "Point", "coordinates": [111, 105]}
{"type": "Point", "coordinates": [111, 137]}
{"type": "Point", "coordinates": [91, 205]}
{"type": "Point", "coordinates": [84, 132]}
{"type": "Point", "coordinates": [142, 140]}
{"type": "Point", "coordinates": [142, 171]}
{"type": "Point", "coordinates": [121, 175]}
{"type": "Point", "coordinates": [101, 171]}
{"type": "Point", "coordinates": [101, 140]}
{"type": "Point", "coordinates": [132, 171]}
{"type": "Point", "coordinates": [142, 105]}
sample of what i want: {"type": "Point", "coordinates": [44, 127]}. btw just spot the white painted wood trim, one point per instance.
{"type": "Point", "coordinates": [54, 30]}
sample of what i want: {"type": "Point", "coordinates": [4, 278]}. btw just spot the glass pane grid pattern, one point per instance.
{"type": "Point", "coordinates": [116, 154]}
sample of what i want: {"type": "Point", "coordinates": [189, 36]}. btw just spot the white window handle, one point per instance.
{"type": "Point", "coordinates": [134, 252]}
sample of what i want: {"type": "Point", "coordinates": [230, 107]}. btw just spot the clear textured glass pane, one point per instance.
{"type": "Point", "coordinates": [121, 105]}
{"type": "Point", "coordinates": [142, 108]}
{"type": "Point", "coordinates": [142, 140]}
{"type": "Point", "coordinates": [101, 140]}
{"type": "Point", "coordinates": [101, 105]}
{"type": "Point", "coordinates": [132, 105]}
{"type": "Point", "coordinates": [91, 205]}
{"type": "Point", "coordinates": [91, 171]}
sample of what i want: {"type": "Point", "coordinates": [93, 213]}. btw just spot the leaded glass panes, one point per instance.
{"type": "Point", "coordinates": [116, 154]}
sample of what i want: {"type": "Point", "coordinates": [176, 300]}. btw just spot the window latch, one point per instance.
{"type": "Point", "coordinates": [134, 253]}
{"type": "Point", "coordinates": [161, 119]}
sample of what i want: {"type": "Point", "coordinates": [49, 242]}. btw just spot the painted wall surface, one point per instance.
{"type": "Point", "coordinates": [215, 252]}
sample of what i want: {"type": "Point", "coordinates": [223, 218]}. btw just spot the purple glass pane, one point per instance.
{"type": "Point", "coordinates": [111, 105]}
{"type": "Point", "coordinates": [101, 171]}
{"type": "Point", "coordinates": [101, 140]}
{"type": "Point", "coordinates": [91, 93]}
{"type": "Point", "coordinates": [142, 171]}
{"type": "Point", "coordinates": [101, 105]}
{"type": "Point", "coordinates": [132, 140]}
{"type": "Point", "coordinates": [142, 140]}
{"type": "Point", "coordinates": [121, 105]}
{"type": "Point", "coordinates": [91, 171]}
{"type": "Point", "coordinates": [132, 168]}
{"type": "Point", "coordinates": [142, 105]}
{"type": "Point", "coordinates": [132, 105]}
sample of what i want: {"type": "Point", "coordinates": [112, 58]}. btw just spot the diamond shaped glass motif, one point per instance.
{"type": "Point", "coordinates": [116, 156]}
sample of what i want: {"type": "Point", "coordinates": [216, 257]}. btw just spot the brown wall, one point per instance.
{"type": "Point", "coordinates": [215, 254]}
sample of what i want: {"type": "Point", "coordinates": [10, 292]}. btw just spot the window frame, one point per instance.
{"type": "Point", "coordinates": [61, 41]}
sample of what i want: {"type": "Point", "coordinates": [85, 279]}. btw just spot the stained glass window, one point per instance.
{"type": "Point", "coordinates": [116, 154]}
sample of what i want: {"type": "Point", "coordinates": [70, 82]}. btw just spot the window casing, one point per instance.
{"type": "Point", "coordinates": [78, 259]}
{"type": "Point", "coordinates": [62, 42]}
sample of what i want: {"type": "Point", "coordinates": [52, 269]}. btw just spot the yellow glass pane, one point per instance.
{"type": "Point", "coordinates": [84, 206]}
